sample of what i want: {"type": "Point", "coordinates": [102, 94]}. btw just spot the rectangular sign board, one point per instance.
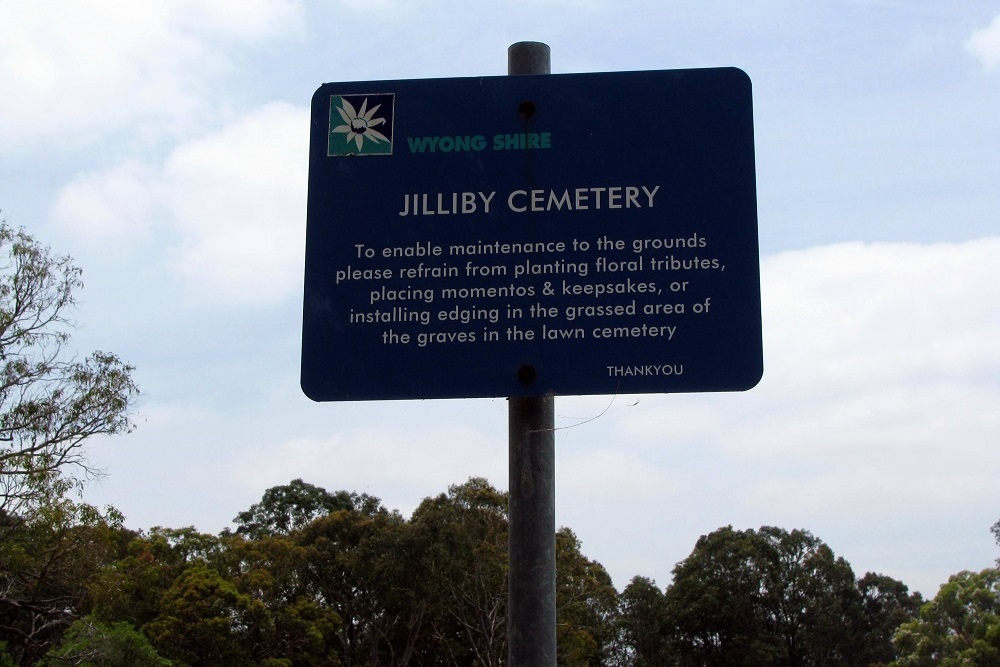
{"type": "Point", "coordinates": [526, 235]}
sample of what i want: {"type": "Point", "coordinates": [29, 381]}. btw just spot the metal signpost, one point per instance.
{"type": "Point", "coordinates": [527, 236]}
{"type": "Point", "coordinates": [531, 464]}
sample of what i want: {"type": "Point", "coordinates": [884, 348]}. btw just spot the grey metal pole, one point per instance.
{"type": "Point", "coordinates": [531, 598]}
{"type": "Point", "coordinates": [529, 58]}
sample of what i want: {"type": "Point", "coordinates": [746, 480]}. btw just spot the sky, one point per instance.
{"type": "Point", "coordinates": [164, 146]}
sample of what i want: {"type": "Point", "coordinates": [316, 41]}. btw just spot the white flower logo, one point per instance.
{"type": "Point", "coordinates": [360, 125]}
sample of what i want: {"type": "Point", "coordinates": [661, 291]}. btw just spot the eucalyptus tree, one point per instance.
{"type": "Point", "coordinates": [776, 597]}
{"type": "Point", "coordinates": [960, 626]}
{"type": "Point", "coordinates": [51, 402]}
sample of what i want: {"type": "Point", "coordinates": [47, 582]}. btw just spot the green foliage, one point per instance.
{"type": "Point", "coordinates": [91, 643]}
{"type": "Point", "coordinates": [293, 506]}
{"type": "Point", "coordinates": [50, 404]}
{"type": "Point", "coordinates": [714, 605]}
{"type": "Point", "coordinates": [275, 570]}
{"type": "Point", "coordinates": [643, 622]}
{"type": "Point", "coordinates": [886, 604]}
{"type": "Point", "coordinates": [48, 560]}
{"type": "Point", "coordinates": [358, 585]}
{"type": "Point", "coordinates": [6, 660]}
{"type": "Point", "coordinates": [959, 627]}
{"type": "Point", "coordinates": [205, 620]}
{"type": "Point", "coordinates": [132, 588]}
{"type": "Point", "coordinates": [586, 605]}
{"type": "Point", "coordinates": [465, 537]}
{"type": "Point", "coordinates": [773, 597]}
{"type": "Point", "coordinates": [169, 580]}
{"type": "Point", "coordinates": [342, 559]}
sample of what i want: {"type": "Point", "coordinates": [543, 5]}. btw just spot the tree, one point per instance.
{"type": "Point", "coordinates": [465, 532]}
{"type": "Point", "coordinates": [586, 605]}
{"type": "Point", "coordinates": [91, 643]}
{"type": "Point", "coordinates": [205, 598]}
{"type": "Point", "coordinates": [132, 588]}
{"type": "Point", "coordinates": [886, 604]}
{"type": "Point", "coordinates": [276, 571]}
{"type": "Point", "coordinates": [339, 578]}
{"type": "Point", "coordinates": [50, 403]}
{"type": "Point", "coordinates": [204, 620]}
{"type": "Point", "coordinates": [47, 562]}
{"type": "Point", "coordinates": [960, 626]}
{"type": "Point", "coordinates": [810, 597]}
{"type": "Point", "coordinates": [295, 505]}
{"type": "Point", "coordinates": [715, 609]}
{"type": "Point", "coordinates": [767, 597]}
{"type": "Point", "coordinates": [642, 619]}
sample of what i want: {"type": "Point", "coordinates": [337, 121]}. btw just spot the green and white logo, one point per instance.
{"type": "Point", "coordinates": [361, 124]}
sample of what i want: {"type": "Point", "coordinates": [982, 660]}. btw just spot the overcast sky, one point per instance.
{"type": "Point", "coordinates": [164, 146]}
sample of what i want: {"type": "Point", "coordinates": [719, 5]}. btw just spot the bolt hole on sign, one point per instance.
{"type": "Point", "coordinates": [519, 236]}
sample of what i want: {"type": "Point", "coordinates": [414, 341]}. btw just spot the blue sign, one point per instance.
{"type": "Point", "coordinates": [519, 236]}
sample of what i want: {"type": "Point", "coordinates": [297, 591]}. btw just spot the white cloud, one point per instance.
{"type": "Point", "coordinates": [851, 314]}
{"type": "Point", "coordinates": [881, 363]}
{"type": "Point", "coordinates": [239, 199]}
{"type": "Point", "coordinates": [120, 203]}
{"type": "Point", "coordinates": [984, 44]}
{"type": "Point", "coordinates": [244, 19]}
{"type": "Point", "coordinates": [81, 70]}
{"type": "Point", "coordinates": [869, 492]}
{"type": "Point", "coordinates": [613, 474]}
{"type": "Point", "coordinates": [233, 202]}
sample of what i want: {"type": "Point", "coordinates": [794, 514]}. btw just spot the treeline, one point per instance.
{"type": "Point", "coordinates": [310, 577]}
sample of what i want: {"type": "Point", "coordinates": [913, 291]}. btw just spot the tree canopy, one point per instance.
{"type": "Point", "coordinates": [50, 401]}
{"type": "Point", "coordinates": [960, 626]}
{"type": "Point", "coordinates": [293, 506]}
{"type": "Point", "coordinates": [351, 583]}
{"type": "Point", "coordinates": [777, 597]}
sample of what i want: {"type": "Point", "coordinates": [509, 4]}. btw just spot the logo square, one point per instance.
{"type": "Point", "coordinates": [361, 124]}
